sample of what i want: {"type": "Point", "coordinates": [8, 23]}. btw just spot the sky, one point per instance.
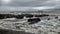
{"type": "Point", "coordinates": [40, 4]}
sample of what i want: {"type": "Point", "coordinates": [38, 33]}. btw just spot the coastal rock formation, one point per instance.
{"type": "Point", "coordinates": [2, 16]}
{"type": "Point", "coordinates": [43, 15]}
{"type": "Point", "coordinates": [34, 20]}
{"type": "Point", "coordinates": [56, 17]}
{"type": "Point", "coordinates": [19, 16]}
{"type": "Point", "coordinates": [28, 15]}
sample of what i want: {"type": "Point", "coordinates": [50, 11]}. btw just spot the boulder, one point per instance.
{"type": "Point", "coordinates": [10, 16]}
{"type": "Point", "coordinates": [19, 16]}
{"type": "Point", "coordinates": [56, 17]}
{"type": "Point", "coordinates": [43, 15]}
{"type": "Point", "coordinates": [3, 31]}
{"type": "Point", "coordinates": [28, 15]}
{"type": "Point", "coordinates": [34, 20]}
{"type": "Point", "coordinates": [38, 16]}
{"type": "Point", "coordinates": [2, 16]}
{"type": "Point", "coordinates": [48, 19]}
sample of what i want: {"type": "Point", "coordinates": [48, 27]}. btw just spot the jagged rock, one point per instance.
{"type": "Point", "coordinates": [19, 16]}
{"type": "Point", "coordinates": [10, 16]}
{"type": "Point", "coordinates": [41, 15]}
{"type": "Point", "coordinates": [38, 16]}
{"type": "Point", "coordinates": [58, 32]}
{"type": "Point", "coordinates": [48, 19]}
{"type": "Point", "coordinates": [33, 20]}
{"type": "Point", "coordinates": [3, 31]}
{"type": "Point", "coordinates": [59, 19]}
{"type": "Point", "coordinates": [56, 17]}
{"type": "Point", "coordinates": [2, 16]}
{"type": "Point", "coordinates": [28, 15]}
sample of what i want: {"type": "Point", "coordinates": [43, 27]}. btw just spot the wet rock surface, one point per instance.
{"type": "Point", "coordinates": [19, 16]}
{"type": "Point", "coordinates": [28, 15]}
{"type": "Point", "coordinates": [2, 16]}
{"type": "Point", "coordinates": [38, 25]}
{"type": "Point", "coordinates": [12, 32]}
{"type": "Point", "coordinates": [43, 15]}
{"type": "Point", "coordinates": [56, 17]}
{"type": "Point", "coordinates": [34, 20]}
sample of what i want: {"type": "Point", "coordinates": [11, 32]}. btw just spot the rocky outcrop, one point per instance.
{"type": "Point", "coordinates": [3, 16]}
{"type": "Point", "coordinates": [34, 20]}
{"type": "Point", "coordinates": [56, 17]}
{"type": "Point", "coordinates": [43, 15]}
{"type": "Point", "coordinates": [48, 19]}
{"type": "Point", "coordinates": [3, 31]}
{"type": "Point", "coordinates": [28, 15]}
{"type": "Point", "coordinates": [19, 16]}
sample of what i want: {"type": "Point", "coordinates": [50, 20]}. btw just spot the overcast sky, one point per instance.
{"type": "Point", "coordinates": [30, 3]}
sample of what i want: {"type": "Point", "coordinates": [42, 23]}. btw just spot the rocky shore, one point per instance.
{"type": "Point", "coordinates": [29, 23]}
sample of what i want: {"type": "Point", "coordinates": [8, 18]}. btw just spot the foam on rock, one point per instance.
{"type": "Point", "coordinates": [41, 25]}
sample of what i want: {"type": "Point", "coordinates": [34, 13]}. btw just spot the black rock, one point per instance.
{"type": "Point", "coordinates": [59, 19]}
{"type": "Point", "coordinates": [34, 20]}
{"type": "Point", "coordinates": [2, 16]}
{"type": "Point", "coordinates": [19, 16]}
{"type": "Point", "coordinates": [3, 31]}
{"type": "Point", "coordinates": [10, 16]}
{"type": "Point", "coordinates": [28, 15]}
{"type": "Point", "coordinates": [56, 17]}
{"type": "Point", "coordinates": [58, 32]}
{"type": "Point", "coordinates": [38, 16]}
{"type": "Point", "coordinates": [48, 19]}
{"type": "Point", "coordinates": [43, 15]}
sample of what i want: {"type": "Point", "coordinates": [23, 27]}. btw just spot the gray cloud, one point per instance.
{"type": "Point", "coordinates": [15, 5]}
{"type": "Point", "coordinates": [32, 3]}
